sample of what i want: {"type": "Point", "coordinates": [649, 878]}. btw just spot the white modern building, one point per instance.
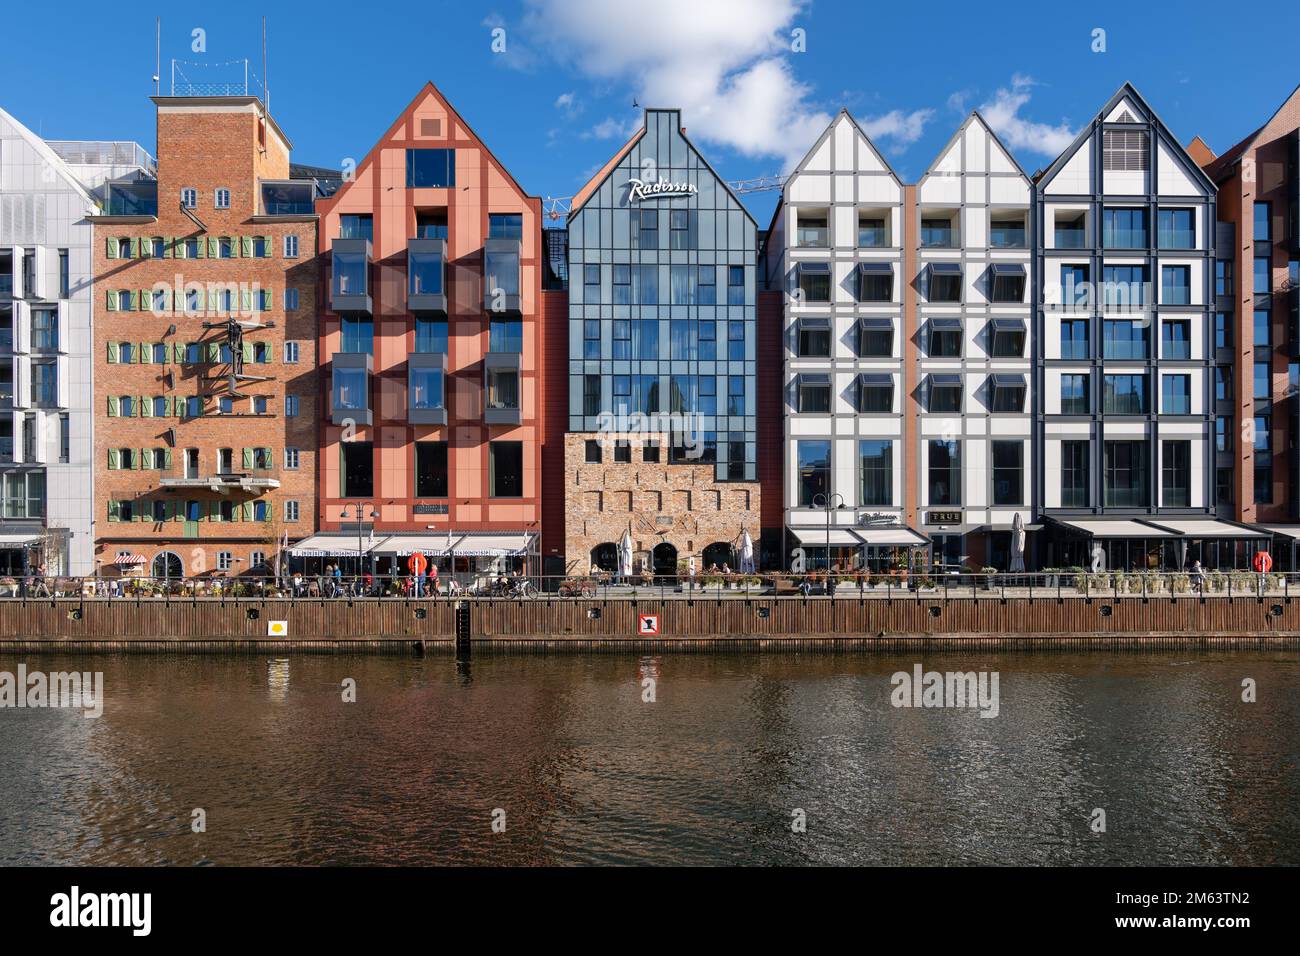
{"type": "Point", "coordinates": [836, 250]}
{"type": "Point", "coordinates": [972, 291]}
{"type": "Point", "coordinates": [46, 419]}
{"type": "Point", "coordinates": [1125, 404]}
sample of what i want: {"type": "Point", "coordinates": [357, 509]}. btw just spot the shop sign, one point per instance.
{"type": "Point", "coordinates": [659, 189]}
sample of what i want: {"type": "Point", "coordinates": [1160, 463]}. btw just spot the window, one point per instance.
{"type": "Point", "coordinates": [44, 384]}
{"type": "Point", "coordinates": [944, 472]}
{"type": "Point", "coordinates": [591, 339]}
{"type": "Point", "coordinates": [159, 511]}
{"type": "Point", "coordinates": [1125, 474]}
{"type": "Point", "coordinates": [45, 330]}
{"type": "Point", "coordinates": [1007, 234]}
{"type": "Point", "coordinates": [1071, 230]}
{"type": "Point", "coordinates": [506, 469]}
{"type": "Point", "coordinates": [193, 406]}
{"type": "Point", "coordinates": [681, 284]}
{"type": "Point", "coordinates": [505, 225]}
{"type": "Point", "coordinates": [160, 404]}
{"type": "Point", "coordinates": [1176, 394]}
{"type": "Point", "coordinates": [430, 168]}
{"type": "Point", "coordinates": [736, 341]}
{"type": "Point", "coordinates": [358, 335]}
{"type": "Point", "coordinates": [814, 394]}
{"type": "Point", "coordinates": [591, 451]}
{"type": "Point", "coordinates": [1263, 455]}
{"type": "Point", "coordinates": [1222, 383]}
{"type": "Point", "coordinates": [1007, 338]}
{"type": "Point", "coordinates": [356, 226]}
{"type": "Point", "coordinates": [875, 392]}
{"type": "Point", "coordinates": [645, 228]}
{"type": "Point", "coordinates": [506, 335]}
{"type": "Point", "coordinates": [650, 451]}
{"type": "Point", "coordinates": [65, 438]}
{"type": "Point", "coordinates": [591, 394]}
{"type": "Point", "coordinates": [291, 353]}
{"type": "Point", "coordinates": [1176, 285]}
{"type": "Point", "coordinates": [1223, 433]}
{"type": "Point", "coordinates": [1074, 474]}
{"type": "Point", "coordinates": [1008, 472]}
{"type": "Point", "coordinates": [814, 282]}
{"type": "Point", "coordinates": [622, 452]}
{"type": "Point", "coordinates": [681, 224]}
{"type": "Point", "coordinates": [1124, 228]}
{"type": "Point", "coordinates": [291, 509]}
{"type": "Point", "coordinates": [1263, 329]}
{"type": "Point", "coordinates": [189, 197]}
{"type": "Point", "coordinates": [1263, 228]}
{"type": "Point", "coordinates": [1124, 339]}
{"type": "Point", "coordinates": [431, 469]}
{"type": "Point", "coordinates": [1074, 394]}
{"type": "Point", "coordinates": [736, 395]}
{"type": "Point", "coordinates": [1124, 287]}
{"type": "Point", "coordinates": [1124, 150]}
{"type": "Point", "coordinates": [291, 247]}
{"type": "Point", "coordinates": [936, 234]}
{"type": "Point", "coordinates": [290, 300]}
{"type": "Point", "coordinates": [1008, 392]}
{"type": "Point", "coordinates": [708, 340]}
{"type": "Point", "coordinates": [591, 282]}
{"type": "Point", "coordinates": [225, 248]}
{"type": "Point", "coordinates": [261, 248]}
{"type": "Point", "coordinates": [706, 289]}
{"type": "Point", "coordinates": [1006, 283]}
{"type": "Point", "coordinates": [872, 233]}
{"type": "Point", "coordinates": [814, 338]}
{"type": "Point", "coordinates": [357, 469]}
{"type": "Point", "coordinates": [64, 274]}
{"type": "Point", "coordinates": [225, 406]}
{"type": "Point", "coordinates": [1223, 277]}
{"type": "Point", "coordinates": [811, 231]}
{"type": "Point", "coordinates": [945, 282]}
{"type": "Point", "coordinates": [1176, 473]}
{"type": "Point", "coordinates": [221, 199]}
{"type": "Point", "coordinates": [431, 225]}
{"type": "Point", "coordinates": [1176, 339]}
{"type": "Point", "coordinates": [291, 406]}
{"type": "Point", "coordinates": [875, 282]}
{"type": "Point", "coordinates": [1124, 394]}
{"type": "Point", "coordinates": [291, 457]}
{"type": "Point", "coordinates": [814, 462]}
{"type": "Point", "coordinates": [1263, 381]}
{"type": "Point", "coordinates": [225, 560]}
{"type": "Point", "coordinates": [1263, 275]}
{"type": "Point", "coordinates": [430, 334]}
{"type": "Point", "coordinates": [876, 338]}
{"type": "Point", "coordinates": [945, 393]}
{"type": "Point", "coordinates": [1223, 330]}
{"type": "Point", "coordinates": [945, 338]}
{"type": "Point", "coordinates": [736, 285]}
{"type": "Point", "coordinates": [876, 473]}
{"type": "Point", "coordinates": [1177, 229]}
{"type": "Point", "coordinates": [1074, 339]}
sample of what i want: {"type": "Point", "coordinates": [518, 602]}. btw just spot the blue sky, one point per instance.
{"type": "Point", "coordinates": [559, 99]}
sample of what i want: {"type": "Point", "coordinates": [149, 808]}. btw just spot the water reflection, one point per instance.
{"type": "Point", "coordinates": [709, 772]}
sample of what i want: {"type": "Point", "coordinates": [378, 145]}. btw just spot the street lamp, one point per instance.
{"type": "Point", "coordinates": [830, 502]}
{"type": "Point", "coordinates": [345, 516]}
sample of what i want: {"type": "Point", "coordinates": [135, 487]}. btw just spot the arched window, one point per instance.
{"type": "Point", "coordinates": [167, 564]}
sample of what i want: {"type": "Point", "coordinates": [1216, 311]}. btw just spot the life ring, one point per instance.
{"type": "Point", "coordinates": [1263, 562]}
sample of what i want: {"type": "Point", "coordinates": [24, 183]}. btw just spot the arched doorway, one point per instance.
{"type": "Point", "coordinates": [719, 553]}
{"type": "Point", "coordinates": [664, 560]}
{"type": "Point", "coordinates": [605, 557]}
{"type": "Point", "coordinates": [168, 565]}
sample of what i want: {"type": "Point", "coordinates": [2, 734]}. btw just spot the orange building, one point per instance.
{"type": "Point", "coordinates": [429, 342]}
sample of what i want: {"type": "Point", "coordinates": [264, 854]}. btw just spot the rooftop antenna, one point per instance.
{"type": "Point", "coordinates": [157, 56]}
{"type": "Point", "coordinates": [266, 90]}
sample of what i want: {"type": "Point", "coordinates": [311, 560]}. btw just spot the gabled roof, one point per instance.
{"type": "Point", "coordinates": [1127, 91]}
{"type": "Point", "coordinates": [42, 149]}
{"type": "Point", "coordinates": [1221, 168]}
{"type": "Point", "coordinates": [975, 117]}
{"type": "Point", "coordinates": [592, 184]}
{"type": "Point", "coordinates": [324, 205]}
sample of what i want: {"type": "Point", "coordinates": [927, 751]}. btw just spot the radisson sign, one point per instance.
{"type": "Point", "coordinates": [659, 189]}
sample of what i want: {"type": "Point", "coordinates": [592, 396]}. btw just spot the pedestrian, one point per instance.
{"type": "Point", "coordinates": [690, 572]}
{"type": "Point", "coordinates": [1198, 577]}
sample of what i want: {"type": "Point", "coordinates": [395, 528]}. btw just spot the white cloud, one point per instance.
{"type": "Point", "coordinates": [611, 128]}
{"type": "Point", "coordinates": [725, 63]}
{"type": "Point", "coordinates": [1003, 114]}
{"type": "Point", "coordinates": [903, 128]}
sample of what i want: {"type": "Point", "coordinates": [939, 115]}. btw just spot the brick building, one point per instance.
{"type": "Point", "coordinates": [205, 348]}
{"type": "Point", "coordinates": [429, 340]}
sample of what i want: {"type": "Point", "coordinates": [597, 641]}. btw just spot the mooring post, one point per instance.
{"type": "Point", "coordinates": [462, 630]}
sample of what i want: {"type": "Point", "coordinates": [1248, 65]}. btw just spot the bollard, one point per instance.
{"type": "Point", "coordinates": [462, 630]}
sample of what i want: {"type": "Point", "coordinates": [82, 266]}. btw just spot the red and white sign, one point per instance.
{"type": "Point", "coordinates": [648, 625]}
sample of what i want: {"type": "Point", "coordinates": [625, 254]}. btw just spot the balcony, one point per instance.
{"type": "Point", "coordinates": [350, 276]}
{"type": "Point", "coordinates": [253, 481]}
{"type": "Point", "coordinates": [289, 197]}
{"type": "Point", "coordinates": [350, 388]}
{"type": "Point", "coordinates": [501, 275]}
{"type": "Point", "coordinates": [426, 388]}
{"type": "Point", "coordinates": [811, 232]}
{"type": "Point", "coordinates": [426, 275]}
{"type": "Point", "coordinates": [132, 197]}
{"type": "Point", "coordinates": [501, 386]}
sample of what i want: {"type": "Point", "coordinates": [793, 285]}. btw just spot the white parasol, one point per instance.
{"type": "Point", "coordinates": [746, 553]}
{"type": "Point", "coordinates": [625, 555]}
{"type": "Point", "coordinates": [1017, 543]}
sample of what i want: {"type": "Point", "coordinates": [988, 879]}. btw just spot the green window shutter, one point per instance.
{"type": "Point", "coordinates": [135, 300]}
{"type": "Point", "coordinates": [266, 246]}
{"type": "Point", "coordinates": [135, 352]}
{"type": "Point", "coordinates": [167, 458]}
{"type": "Point", "coordinates": [246, 247]}
{"type": "Point", "coordinates": [113, 459]}
{"type": "Point", "coordinates": [112, 353]}
{"type": "Point", "coordinates": [178, 300]}
{"type": "Point", "coordinates": [200, 249]}
{"type": "Point", "coordinates": [266, 455]}
{"type": "Point", "coordinates": [248, 459]}
{"type": "Point", "coordinates": [214, 247]}
{"type": "Point", "coordinates": [247, 510]}
{"type": "Point", "coordinates": [139, 406]}
{"type": "Point", "coordinates": [248, 353]}
{"type": "Point", "coordinates": [110, 300]}
{"type": "Point", "coordinates": [110, 247]}
{"type": "Point", "coordinates": [146, 300]}
{"type": "Point", "coordinates": [133, 249]}
{"type": "Point", "coordinates": [214, 351]}
{"type": "Point", "coordinates": [135, 459]}
{"type": "Point", "coordinates": [214, 510]}
{"type": "Point", "coordinates": [167, 246]}
{"type": "Point", "coordinates": [114, 510]}
{"type": "Point", "coordinates": [201, 300]}
{"type": "Point", "coordinates": [146, 408]}
{"type": "Point", "coordinates": [146, 353]}
{"type": "Point", "coordinates": [267, 516]}
{"type": "Point", "coordinates": [112, 406]}
{"type": "Point", "coordinates": [245, 300]}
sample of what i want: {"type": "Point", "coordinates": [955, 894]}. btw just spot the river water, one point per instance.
{"type": "Point", "coordinates": [712, 770]}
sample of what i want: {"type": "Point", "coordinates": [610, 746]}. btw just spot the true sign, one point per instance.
{"type": "Point", "coordinates": [648, 625]}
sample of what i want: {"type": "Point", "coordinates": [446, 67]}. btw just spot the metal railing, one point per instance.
{"type": "Point", "coordinates": [812, 585]}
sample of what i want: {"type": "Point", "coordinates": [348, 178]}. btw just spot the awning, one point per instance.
{"type": "Point", "coordinates": [891, 537]}
{"type": "Point", "coordinates": [1280, 530]}
{"type": "Point", "coordinates": [128, 559]}
{"type": "Point", "coordinates": [404, 544]}
{"type": "Point", "coordinates": [815, 537]}
{"type": "Point", "coordinates": [1206, 528]}
{"type": "Point", "coordinates": [492, 545]}
{"type": "Point", "coordinates": [17, 540]}
{"type": "Point", "coordinates": [1118, 528]}
{"type": "Point", "coordinates": [334, 546]}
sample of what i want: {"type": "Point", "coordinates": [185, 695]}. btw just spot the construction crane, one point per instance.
{"type": "Point", "coordinates": [557, 207]}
